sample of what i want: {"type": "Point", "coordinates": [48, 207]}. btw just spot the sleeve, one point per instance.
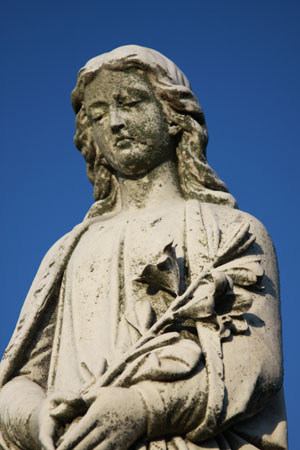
{"type": "Point", "coordinates": [173, 386]}
{"type": "Point", "coordinates": [34, 363]}
{"type": "Point", "coordinates": [245, 369]}
{"type": "Point", "coordinates": [39, 297]}
{"type": "Point", "coordinates": [25, 364]}
{"type": "Point", "coordinates": [20, 399]}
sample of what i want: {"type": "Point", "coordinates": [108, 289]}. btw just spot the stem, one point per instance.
{"type": "Point", "coordinates": [164, 320]}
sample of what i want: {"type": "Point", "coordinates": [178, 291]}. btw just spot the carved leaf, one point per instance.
{"type": "Point", "coordinates": [88, 376]}
{"type": "Point", "coordinates": [231, 325]}
{"type": "Point", "coordinates": [224, 323]}
{"type": "Point", "coordinates": [206, 298]}
{"type": "Point", "coordinates": [232, 246]}
{"type": "Point", "coordinates": [165, 273]}
{"type": "Point", "coordinates": [198, 308]}
{"type": "Point", "coordinates": [145, 315]}
{"type": "Point", "coordinates": [86, 373]}
{"type": "Point", "coordinates": [239, 325]}
{"type": "Point", "coordinates": [223, 283]}
{"type": "Point", "coordinates": [244, 271]}
{"type": "Point", "coordinates": [242, 248]}
{"type": "Point", "coordinates": [242, 300]}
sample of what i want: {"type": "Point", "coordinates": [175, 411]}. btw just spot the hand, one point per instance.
{"type": "Point", "coordinates": [115, 420]}
{"type": "Point", "coordinates": [54, 412]}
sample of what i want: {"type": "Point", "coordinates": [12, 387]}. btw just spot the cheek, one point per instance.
{"type": "Point", "coordinates": [152, 123]}
{"type": "Point", "coordinates": [101, 137]}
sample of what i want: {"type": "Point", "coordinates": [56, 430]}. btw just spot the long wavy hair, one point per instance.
{"type": "Point", "coordinates": [197, 179]}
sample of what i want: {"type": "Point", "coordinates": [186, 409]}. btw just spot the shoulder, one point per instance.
{"type": "Point", "coordinates": [68, 241]}
{"type": "Point", "coordinates": [234, 215]}
{"type": "Point", "coordinates": [227, 216]}
{"type": "Point", "coordinates": [56, 258]}
{"type": "Point", "coordinates": [228, 221]}
{"type": "Point", "coordinates": [262, 245]}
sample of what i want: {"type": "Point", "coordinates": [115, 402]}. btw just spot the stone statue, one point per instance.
{"type": "Point", "coordinates": [155, 323]}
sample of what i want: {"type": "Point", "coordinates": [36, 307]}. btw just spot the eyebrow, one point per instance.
{"type": "Point", "coordinates": [97, 104]}
{"type": "Point", "coordinates": [130, 91]}
{"type": "Point", "coordinates": [137, 90]}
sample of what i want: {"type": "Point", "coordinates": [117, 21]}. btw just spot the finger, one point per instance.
{"type": "Point", "coordinates": [76, 434]}
{"type": "Point", "coordinates": [106, 445]}
{"type": "Point", "coordinates": [68, 398]}
{"type": "Point", "coordinates": [65, 413]}
{"type": "Point", "coordinates": [47, 443]}
{"type": "Point", "coordinates": [110, 444]}
{"type": "Point", "coordinates": [92, 440]}
{"type": "Point", "coordinates": [60, 410]}
{"type": "Point", "coordinates": [46, 435]}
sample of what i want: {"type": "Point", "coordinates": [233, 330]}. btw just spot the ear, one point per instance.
{"type": "Point", "coordinates": [173, 128]}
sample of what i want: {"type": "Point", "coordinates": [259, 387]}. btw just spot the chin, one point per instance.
{"type": "Point", "coordinates": [132, 167]}
{"type": "Point", "coordinates": [132, 172]}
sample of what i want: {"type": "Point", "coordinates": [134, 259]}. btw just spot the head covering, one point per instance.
{"type": "Point", "coordinates": [131, 54]}
{"type": "Point", "coordinates": [136, 53]}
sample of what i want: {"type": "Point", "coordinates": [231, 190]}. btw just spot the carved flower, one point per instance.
{"type": "Point", "coordinates": [218, 301]}
{"type": "Point", "coordinates": [222, 297]}
{"type": "Point", "coordinates": [231, 304]}
{"type": "Point", "coordinates": [165, 273]}
{"type": "Point", "coordinates": [230, 310]}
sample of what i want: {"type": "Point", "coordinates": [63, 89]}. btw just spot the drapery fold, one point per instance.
{"type": "Point", "coordinates": [223, 387]}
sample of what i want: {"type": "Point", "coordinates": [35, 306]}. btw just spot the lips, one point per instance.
{"type": "Point", "coordinates": [124, 141]}
{"type": "Point", "coordinates": [121, 138]}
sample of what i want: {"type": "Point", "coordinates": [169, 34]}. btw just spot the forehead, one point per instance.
{"type": "Point", "coordinates": [109, 84]}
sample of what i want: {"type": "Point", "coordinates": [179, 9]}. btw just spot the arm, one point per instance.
{"type": "Point", "coordinates": [150, 409]}
{"type": "Point", "coordinates": [20, 403]}
{"type": "Point", "coordinates": [256, 357]}
{"type": "Point", "coordinates": [35, 363]}
{"type": "Point", "coordinates": [25, 414]}
{"type": "Point", "coordinates": [250, 363]}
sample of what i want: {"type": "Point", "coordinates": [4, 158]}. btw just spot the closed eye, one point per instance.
{"type": "Point", "coordinates": [128, 103]}
{"type": "Point", "coordinates": [132, 103]}
{"type": "Point", "coordinates": [97, 117]}
{"type": "Point", "coordinates": [97, 111]}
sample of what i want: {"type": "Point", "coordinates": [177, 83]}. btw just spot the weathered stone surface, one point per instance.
{"type": "Point", "coordinates": [154, 324]}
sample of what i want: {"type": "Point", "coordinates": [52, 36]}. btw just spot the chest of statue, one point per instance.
{"type": "Point", "coordinates": [102, 300]}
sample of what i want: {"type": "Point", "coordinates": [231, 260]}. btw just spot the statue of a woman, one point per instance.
{"type": "Point", "coordinates": [155, 323]}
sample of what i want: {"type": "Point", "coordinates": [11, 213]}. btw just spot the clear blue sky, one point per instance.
{"type": "Point", "coordinates": [242, 59]}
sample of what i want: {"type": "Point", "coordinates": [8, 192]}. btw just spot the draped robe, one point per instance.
{"type": "Point", "coordinates": [85, 309]}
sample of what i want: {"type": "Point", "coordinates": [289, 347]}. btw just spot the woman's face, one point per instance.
{"type": "Point", "coordinates": [129, 124]}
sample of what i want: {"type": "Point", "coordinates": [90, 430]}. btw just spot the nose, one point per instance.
{"type": "Point", "coordinates": [116, 119]}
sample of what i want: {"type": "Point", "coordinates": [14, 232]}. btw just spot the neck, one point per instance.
{"type": "Point", "coordinates": [155, 188]}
